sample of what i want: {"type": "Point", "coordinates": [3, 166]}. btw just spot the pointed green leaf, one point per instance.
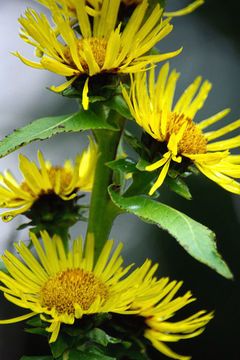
{"type": "Point", "coordinates": [118, 104]}
{"type": "Point", "coordinates": [179, 187]}
{"type": "Point", "coordinates": [100, 337]}
{"type": "Point", "coordinates": [37, 330]}
{"type": "Point", "coordinates": [45, 128]}
{"type": "Point", "coordinates": [126, 165]}
{"type": "Point", "coordinates": [59, 346]}
{"type": "Point", "coordinates": [135, 143]}
{"type": "Point", "coordinates": [196, 238]}
{"type": "Point", "coordinates": [35, 321]}
{"type": "Point", "coordinates": [142, 181]}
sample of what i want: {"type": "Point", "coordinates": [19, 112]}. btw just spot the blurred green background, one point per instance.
{"type": "Point", "coordinates": [210, 39]}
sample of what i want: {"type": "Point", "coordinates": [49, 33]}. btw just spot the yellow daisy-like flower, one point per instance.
{"type": "Point", "coordinates": [65, 181]}
{"type": "Point", "coordinates": [174, 126]}
{"type": "Point", "coordinates": [62, 288]}
{"type": "Point", "coordinates": [103, 46]}
{"type": "Point", "coordinates": [157, 309]}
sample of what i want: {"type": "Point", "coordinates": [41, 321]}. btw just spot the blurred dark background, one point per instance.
{"type": "Point", "coordinates": [210, 39]}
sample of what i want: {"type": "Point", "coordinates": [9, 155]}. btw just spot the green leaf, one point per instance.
{"type": "Point", "coordinates": [154, 51]}
{"type": "Point", "coordinates": [196, 238]}
{"type": "Point", "coordinates": [135, 143]}
{"type": "Point", "coordinates": [100, 337]}
{"type": "Point", "coordinates": [37, 331]}
{"type": "Point", "coordinates": [179, 187]}
{"type": "Point", "coordinates": [45, 128]}
{"type": "Point", "coordinates": [125, 165]}
{"type": "Point", "coordinates": [35, 321]}
{"type": "Point", "coordinates": [142, 181]}
{"type": "Point", "coordinates": [118, 104]}
{"type": "Point", "coordinates": [142, 164]}
{"type": "Point", "coordinates": [37, 358]}
{"type": "Point", "coordinates": [59, 346]}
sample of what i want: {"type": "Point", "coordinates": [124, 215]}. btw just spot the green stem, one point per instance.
{"type": "Point", "coordinates": [102, 210]}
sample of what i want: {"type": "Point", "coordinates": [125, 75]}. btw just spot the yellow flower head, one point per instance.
{"type": "Point", "coordinates": [174, 126]}
{"type": "Point", "coordinates": [157, 309]}
{"type": "Point", "coordinates": [65, 181]}
{"type": "Point", "coordinates": [62, 288]}
{"type": "Point", "coordinates": [103, 46]}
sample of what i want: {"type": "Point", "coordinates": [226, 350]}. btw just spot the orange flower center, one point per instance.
{"type": "Point", "coordinates": [192, 141]}
{"type": "Point", "coordinates": [72, 286]}
{"type": "Point", "coordinates": [98, 48]}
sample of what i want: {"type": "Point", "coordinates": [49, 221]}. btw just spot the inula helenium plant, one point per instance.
{"type": "Point", "coordinates": [78, 293]}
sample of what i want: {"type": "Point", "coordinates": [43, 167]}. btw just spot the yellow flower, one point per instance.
{"type": "Point", "coordinates": [62, 288]}
{"type": "Point", "coordinates": [157, 309]}
{"type": "Point", "coordinates": [174, 126]}
{"type": "Point", "coordinates": [103, 47]}
{"type": "Point", "coordinates": [65, 181]}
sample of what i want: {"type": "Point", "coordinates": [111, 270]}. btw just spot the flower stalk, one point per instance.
{"type": "Point", "coordinates": [102, 210]}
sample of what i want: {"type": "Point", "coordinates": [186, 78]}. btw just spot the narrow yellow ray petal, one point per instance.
{"type": "Point", "coordinates": [83, 19]}
{"type": "Point", "coordinates": [85, 98]}
{"type": "Point", "coordinates": [186, 98]}
{"type": "Point", "coordinates": [19, 318]}
{"type": "Point", "coordinates": [89, 252]}
{"type": "Point", "coordinates": [161, 177]}
{"type": "Point", "coordinates": [44, 171]}
{"type": "Point", "coordinates": [218, 133]}
{"type": "Point", "coordinates": [224, 181]}
{"type": "Point", "coordinates": [199, 100]}
{"type": "Point", "coordinates": [187, 10]}
{"type": "Point", "coordinates": [160, 346]}
{"type": "Point", "coordinates": [207, 122]}
{"type": "Point", "coordinates": [224, 144]}
{"type": "Point", "coordinates": [54, 328]}
{"type": "Point", "coordinates": [9, 215]}
{"type": "Point", "coordinates": [28, 62]}
{"type": "Point", "coordinates": [57, 67]}
{"type": "Point", "coordinates": [64, 86]}
{"type": "Point", "coordinates": [103, 258]}
{"type": "Point", "coordinates": [75, 176]}
{"type": "Point", "coordinates": [158, 163]}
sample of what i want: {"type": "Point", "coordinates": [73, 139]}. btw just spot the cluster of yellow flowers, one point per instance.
{"type": "Point", "coordinates": [87, 39]}
{"type": "Point", "coordinates": [104, 46]}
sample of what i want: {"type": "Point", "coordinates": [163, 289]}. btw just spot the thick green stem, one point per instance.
{"type": "Point", "coordinates": [102, 210]}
